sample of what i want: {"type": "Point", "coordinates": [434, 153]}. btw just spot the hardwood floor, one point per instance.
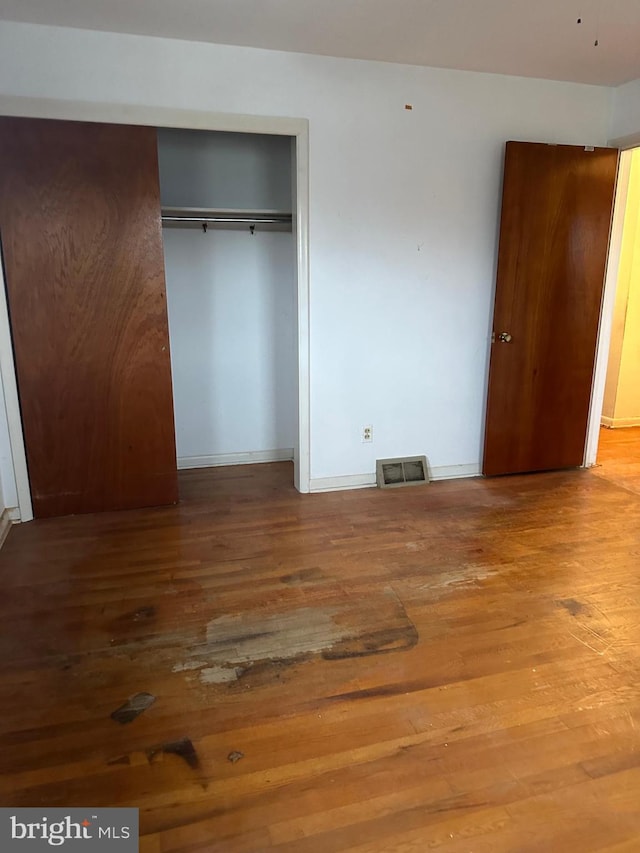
{"type": "Point", "coordinates": [451, 667]}
{"type": "Point", "coordinates": [619, 457]}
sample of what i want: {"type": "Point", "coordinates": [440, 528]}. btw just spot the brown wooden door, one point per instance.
{"type": "Point", "coordinates": [82, 246]}
{"type": "Point", "coordinates": [554, 234]}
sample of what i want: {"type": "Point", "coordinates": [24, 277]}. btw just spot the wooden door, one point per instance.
{"type": "Point", "coordinates": [82, 246]}
{"type": "Point", "coordinates": [554, 234]}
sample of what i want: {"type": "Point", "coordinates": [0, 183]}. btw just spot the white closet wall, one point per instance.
{"type": "Point", "coordinates": [236, 170]}
{"type": "Point", "coordinates": [8, 495]}
{"type": "Point", "coordinates": [231, 299]}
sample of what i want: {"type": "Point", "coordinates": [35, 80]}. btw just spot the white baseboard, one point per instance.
{"type": "Point", "coordinates": [338, 484]}
{"type": "Point", "coordinates": [615, 423]}
{"type": "Point", "coordinates": [455, 472]}
{"type": "Point", "coordinates": [250, 457]}
{"type": "Point", "coordinates": [8, 516]}
{"type": "Point", "coordinates": [366, 481]}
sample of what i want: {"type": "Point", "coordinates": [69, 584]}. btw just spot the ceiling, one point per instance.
{"type": "Point", "coordinates": [530, 38]}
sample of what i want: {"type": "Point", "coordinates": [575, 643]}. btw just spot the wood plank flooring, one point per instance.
{"type": "Point", "coordinates": [452, 667]}
{"type": "Point", "coordinates": [619, 457]}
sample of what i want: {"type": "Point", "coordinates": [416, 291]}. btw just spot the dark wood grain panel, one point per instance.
{"type": "Point", "coordinates": [82, 246]}
{"type": "Point", "coordinates": [510, 722]}
{"type": "Point", "coordinates": [554, 233]}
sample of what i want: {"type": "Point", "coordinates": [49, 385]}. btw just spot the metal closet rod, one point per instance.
{"type": "Point", "coordinates": [249, 219]}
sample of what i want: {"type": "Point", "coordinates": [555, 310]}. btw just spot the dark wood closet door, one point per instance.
{"type": "Point", "coordinates": [82, 246]}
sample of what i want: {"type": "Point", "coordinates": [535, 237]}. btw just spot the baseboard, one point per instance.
{"type": "Point", "coordinates": [366, 481]}
{"type": "Point", "coordinates": [338, 484]}
{"type": "Point", "coordinates": [455, 472]}
{"type": "Point", "coordinates": [250, 457]}
{"type": "Point", "coordinates": [616, 423]}
{"type": "Point", "coordinates": [8, 516]}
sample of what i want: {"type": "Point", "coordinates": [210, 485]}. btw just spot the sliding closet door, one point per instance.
{"type": "Point", "coordinates": [82, 248]}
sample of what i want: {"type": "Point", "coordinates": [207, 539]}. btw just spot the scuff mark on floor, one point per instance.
{"type": "Point", "coordinates": [377, 642]}
{"type": "Point", "coordinates": [183, 748]}
{"type": "Point", "coordinates": [189, 665]}
{"type": "Point", "coordinates": [460, 577]}
{"type": "Point", "coordinates": [258, 644]}
{"type": "Point", "coordinates": [314, 575]}
{"type": "Point", "coordinates": [572, 606]}
{"type": "Point", "coordinates": [219, 674]}
{"type": "Point", "coordinates": [120, 759]}
{"type": "Point", "coordinates": [133, 707]}
{"type": "Point", "coordinates": [143, 613]}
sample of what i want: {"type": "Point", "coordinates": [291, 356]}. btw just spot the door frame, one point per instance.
{"type": "Point", "coordinates": [608, 297]}
{"type": "Point", "coordinates": [131, 114]}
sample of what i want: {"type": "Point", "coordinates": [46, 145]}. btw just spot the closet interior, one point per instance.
{"type": "Point", "coordinates": [230, 266]}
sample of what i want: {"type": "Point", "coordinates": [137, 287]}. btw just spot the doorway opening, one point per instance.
{"type": "Point", "coordinates": [230, 268]}
{"type": "Point", "coordinates": [618, 450]}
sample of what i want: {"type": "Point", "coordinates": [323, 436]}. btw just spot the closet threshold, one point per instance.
{"type": "Point", "coordinates": [190, 217]}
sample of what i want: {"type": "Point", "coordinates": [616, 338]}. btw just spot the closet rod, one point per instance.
{"type": "Point", "coordinates": [243, 220]}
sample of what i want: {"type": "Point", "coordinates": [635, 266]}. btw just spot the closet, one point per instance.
{"type": "Point", "coordinates": [83, 215]}
{"type": "Point", "coordinates": [231, 287]}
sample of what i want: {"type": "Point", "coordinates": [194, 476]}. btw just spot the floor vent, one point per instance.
{"type": "Point", "coordinates": [406, 471]}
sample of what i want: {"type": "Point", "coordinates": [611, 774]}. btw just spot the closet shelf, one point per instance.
{"type": "Point", "coordinates": [204, 218]}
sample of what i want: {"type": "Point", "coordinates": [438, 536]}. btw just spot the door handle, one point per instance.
{"type": "Point", "coordinates": [504, 337]}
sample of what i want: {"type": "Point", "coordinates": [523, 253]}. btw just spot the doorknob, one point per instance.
{"type": "Point", "coordinates": [504, 337]}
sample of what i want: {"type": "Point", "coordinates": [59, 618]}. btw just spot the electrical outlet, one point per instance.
{"type": "Point", "coordinates": [367, 434]}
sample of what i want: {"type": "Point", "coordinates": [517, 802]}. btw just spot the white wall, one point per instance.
{"type": "Point", "coordinates": [231, 298]}
{"type": "Point", "coordinates": [403, 212]}
{"type": "Point", "coordinates": [250, 171]}
{"type": "Point", "coordinates": [625, 113]}
{"type": "Point", "coordinates": [231, 321]}
{"type": "Point", "coordinates": [8, 486]}
{"type": "Point", "coordinates": [8, 494]}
